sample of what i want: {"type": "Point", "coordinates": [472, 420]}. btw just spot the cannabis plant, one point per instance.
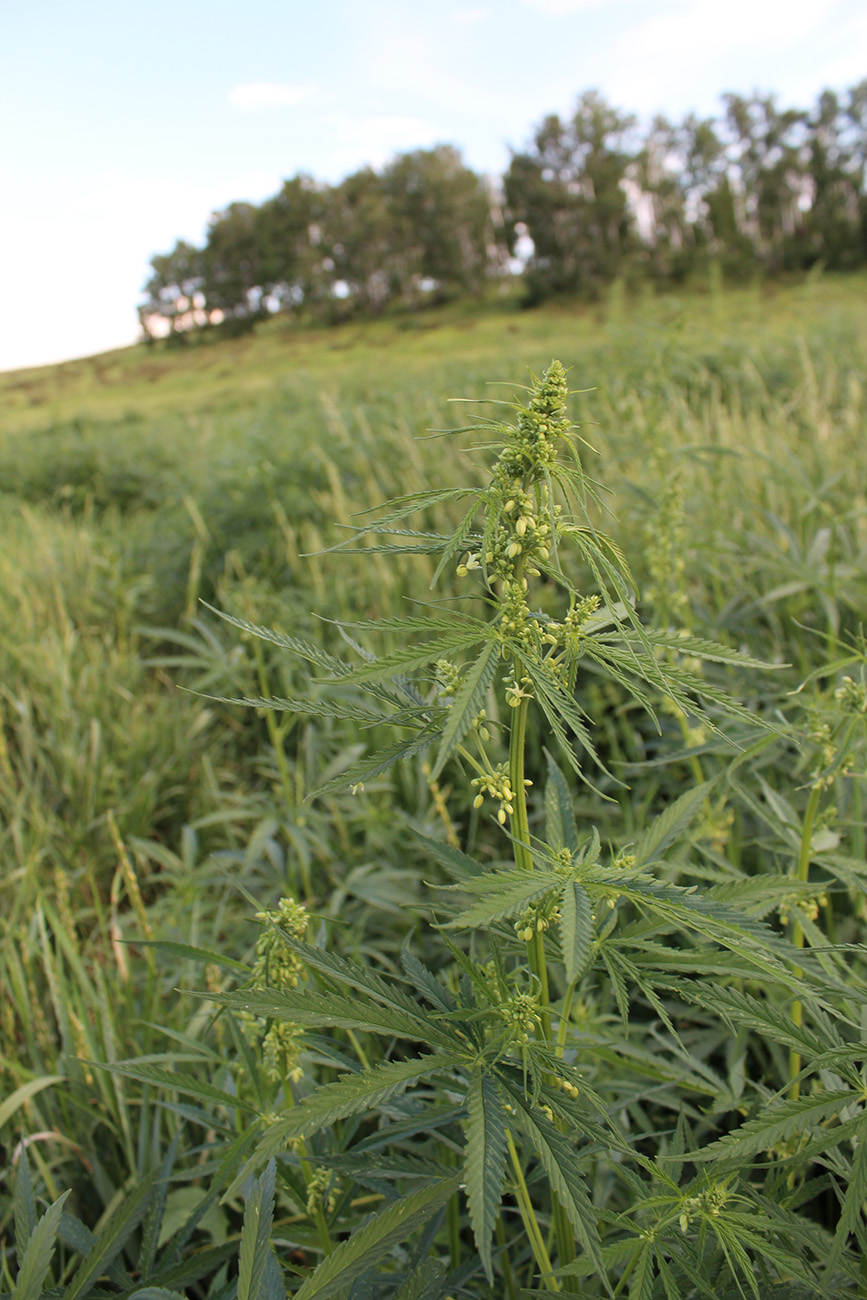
{"type": "Point", "coordinates": [611, 1071]}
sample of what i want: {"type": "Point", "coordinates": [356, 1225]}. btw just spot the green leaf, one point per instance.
{"type": "Point", "coordinates": [27, 1090]}
{"type": "Point", "coordinates": [775, 1124]}
{"type": "Point", "coordinates": [470, 698]}
{"type": "Point", "coordinates": [373, 765]}
{"type": "Point", "coordinates": [565, 1175]}
{"type": "Point", "coordinates": [349, 1095]}
{"type": "Point", "coordinates": [369, 1243]}
{"type": "Point", "coordinates": [484, 1162]}
{"type": "Point", "coordinates": [560, 829]}
{"type": "Point", "coordinates": [502, 893]}
{"type": "Point", "coordinates": [666, 828]}
{"type": "Point", "coordinates": [25, 1205]}
{"type": "Point", "coordinates": [409, 658]}
{"type": "Point", "coordinates": [178, 1081]}
{"type": "Point", "coordinates": [427, 1282]}
{"type": "Point", "coordinates": [110, 1241]}
{"type": "Point", "coordinates": [36, 1260]}
{"type": "Point", "coordinates": [576, 929]}
{"type": "Point", "coordinates": [455, 542]}
{"type": "Point", "coordinates": [459, 865]}
{"type": "Point", "coordinates": [256, 1235]}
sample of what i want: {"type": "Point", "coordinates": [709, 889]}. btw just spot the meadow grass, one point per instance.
{"type": "Point", "coordinates": [730, 432]}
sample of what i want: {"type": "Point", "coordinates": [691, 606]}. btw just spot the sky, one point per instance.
{"type": "Point", "coordinates": [123, 124]}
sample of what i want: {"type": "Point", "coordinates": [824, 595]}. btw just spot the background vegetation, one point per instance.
{"type": "Point", "coordinates": [594, 198]}
{"type": "Point", "coordinates": [730, 428]}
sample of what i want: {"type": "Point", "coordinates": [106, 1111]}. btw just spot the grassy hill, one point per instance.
{"type": "Point", "coordinates": [729, 433]}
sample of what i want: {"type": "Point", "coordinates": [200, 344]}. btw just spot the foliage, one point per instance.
{"type": "Point", "coordinates": [760, 189]}
{"type": "Point", "coordinates": [131, 810]}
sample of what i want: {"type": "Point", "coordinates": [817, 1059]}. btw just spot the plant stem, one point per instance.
{"type": "Point", "coordinates": [797, 928]}
{"type": "Point", "coordinates": [531, 1223]}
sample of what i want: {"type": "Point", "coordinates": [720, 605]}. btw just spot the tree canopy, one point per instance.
{"type": "Point", "coordinates": [758, 189]}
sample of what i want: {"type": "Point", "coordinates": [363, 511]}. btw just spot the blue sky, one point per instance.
{"type": "Point", "coordinates": [123, 125]}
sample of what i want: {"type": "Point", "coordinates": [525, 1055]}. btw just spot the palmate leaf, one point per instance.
{"type": "Point", "coordinates": [484, 1161]}
{"type": "Point", "coordinates": [502, 893]}
{"type": "Point", "coordinates": [367, 981]}
{"type": "Point", "coordinates": [671, 823]}
{"type": "Point", "coordinates": [371, 766]}
{"type": "Point", "coordinates": [312, 1007]}
{"type": "Point", "coordinates": [304, 649]}
{"type": "Point", "coordinates": [409, 658]}
{"type": "Point", "coordinates": [427, 1282]}
{"type": "Point", "coordinates": [34, 1258]}
{"type": "Point", "coordinates": [468, 701]}
{"type": "Point", "coordinates": [370, 1242]}
{"type": "Point", "coordinates": [561, 831]}
{"type": "Point", "coordinates": [775, 1124]}
{"type": "Point", "coordinates": [332, 708]}
{"type": "Point", "coordinates": [178, 1081]}
{"type": "Point", "coordinates": [852, 1211]}
{"type": "Point", "coordinates": [561, 1164]}
{"type": "Point", "coordinates": [24, 1203]}
{"type": "Point", "coordinates": [576, 929]}
{"type": "Point", "coordinates": [350, 1095]}
{"type": "Point", "coordinates": [455, 543]}
{"type": "Point", "coordinates": [256, 1237]}
{"type": "Point", "coordinates": [459, 865]}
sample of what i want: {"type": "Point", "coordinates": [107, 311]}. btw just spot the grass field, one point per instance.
{"type": "Point", "coordinates": [729, 430]}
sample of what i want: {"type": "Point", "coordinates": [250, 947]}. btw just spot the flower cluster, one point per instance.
{"type": "Point", "coordinates": [852, 696]}
{"type": "Point", "coordinates": [521, 1014]}
{"type": "Point", "coordinates": [537, 918]}
{"type": "Point", "coordinates": [710, 1202]}
{"type": "Point", "coordinates": [276, 967]}
{"type": "Point", "coordinates": [497, 785]}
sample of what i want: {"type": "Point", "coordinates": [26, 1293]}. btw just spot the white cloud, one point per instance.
{"type": "Point", "coordinates": [251, 95]}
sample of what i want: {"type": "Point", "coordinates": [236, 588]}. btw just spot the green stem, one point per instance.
{"type": "Point", "coordinates": [531, 1223]}
{"type": "Point", "coordinates": [535, 946]}
{"type": "Point", "coordinates": [797, 928]}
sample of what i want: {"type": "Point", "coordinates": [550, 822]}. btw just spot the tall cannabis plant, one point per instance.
{"type": "Point", "coordinates": [561, 1065]}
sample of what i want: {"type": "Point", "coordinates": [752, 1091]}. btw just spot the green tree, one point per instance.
{"type": "Point", "coordinates": [232, 262]}
{"type": "Point", "coordinates": [570, 191]}
{"type": "Point", "coordinates": [174, 292]}
{"type": "Point", "coordinates": [440, 212]}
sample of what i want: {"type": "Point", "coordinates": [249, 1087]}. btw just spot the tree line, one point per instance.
{"type": "Point", "coordinates": [592, 198]}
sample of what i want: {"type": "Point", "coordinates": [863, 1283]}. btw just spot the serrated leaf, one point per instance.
{"type": "Point", "coordinates": [373, 765]}
{"type": "Point", "coordinates": [349, 1095]}
{"type": "Point", "coordinates": [427, 1282]}
{"type": "Point", "coordinates": [313, 1007]}
{"type": "Point", "coordinates": [256, 1235]}
{"type": "Point", "coordinates": [408, 658]}
{"type": "Point", "coordinates": [370, 1242]}
{"type": "Point", "coordinates": [36, 1259]}
{"type": "Point", "coordinates": [484, 1162]}
{"type": "Point", "coordinates": [178, 1081]}
{"type": "Point", "coordinates": [560, 829]}
{"type": "Point", "coordinates": [576, 929]}
{"type": "Point", "coordinates": [666, 828]}
{"type": "Point", "coordinates": [775, 1124]}
{"type": "Point", "coordinates": [458, 864]}
{"type": "Point", "coordinates": [455, 543]}
{"type": "Point", "coordinates": [502, 893]}
{"type": "Point", "coordinates": [467, 703]}
{"type": "Point", "coordinates": [24, 1205]}
{"type": "Point", "coordinates": [565, 1175]}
